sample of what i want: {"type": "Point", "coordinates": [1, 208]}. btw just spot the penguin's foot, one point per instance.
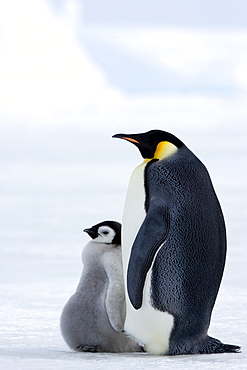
{"type": "Point", "coordinates": [204, 346]}
{"type": "Point", "coordinates": [82, 348]}
{"type": "Point", "coordinates": [142, 349]}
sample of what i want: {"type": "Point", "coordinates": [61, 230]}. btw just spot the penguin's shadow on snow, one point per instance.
{"type": "Point", "coordinates": [141, 359]}
{"type": "Point", "coordinates": [69, 355]}
{"type": "Point", "coordinates": [143, 356]}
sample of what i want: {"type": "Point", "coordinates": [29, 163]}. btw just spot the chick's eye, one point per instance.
{"type": "Point", "coordinates": [105, 232]}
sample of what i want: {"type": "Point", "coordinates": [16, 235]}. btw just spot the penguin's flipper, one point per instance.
{"type": "Point", "coordinates": [152, 234]}
{"type": "Point", "coordinates": [115, 298]}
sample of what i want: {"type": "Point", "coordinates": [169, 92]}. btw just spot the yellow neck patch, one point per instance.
{"type": "Point", "coordinates": [164, 149]}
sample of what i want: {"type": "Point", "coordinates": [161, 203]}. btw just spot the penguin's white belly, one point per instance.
{"type": "Point", "coordinates": [147, 325]}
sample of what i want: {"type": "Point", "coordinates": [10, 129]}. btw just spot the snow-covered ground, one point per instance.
{"type": "Point", "coordinates": [61, 171]}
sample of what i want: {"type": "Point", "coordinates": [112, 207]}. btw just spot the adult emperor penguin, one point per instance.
{"type": "Point", "coordinates": [174, 248]}
{"type": "Point", "coordinates": [92, 320]}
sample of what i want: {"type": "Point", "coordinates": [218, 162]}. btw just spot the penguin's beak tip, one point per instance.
{"type": "Point", "coordinates": [118, 136]}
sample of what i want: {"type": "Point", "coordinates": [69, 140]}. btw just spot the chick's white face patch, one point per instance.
{"type": "Point", "coordinates": [105, 235]}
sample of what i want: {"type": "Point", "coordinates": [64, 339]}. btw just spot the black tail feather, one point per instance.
{"type": "Point", "coordinates": [204, 345]}
{"type": "Point", "coordinates": [213, 345]}
{"type": "Point", "coordinates": [230, 348]}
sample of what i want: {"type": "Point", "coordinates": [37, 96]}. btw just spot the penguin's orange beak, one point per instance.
{"type": "Point", "coordinates": [130, 139]}
{"type": "Point", "coordinates": [146, 150]}
{"type": "Point", "coordinates": [122, 136]}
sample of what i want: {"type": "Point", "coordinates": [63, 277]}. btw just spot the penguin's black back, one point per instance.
{"type": "Point", "coordinates": [188, 268]}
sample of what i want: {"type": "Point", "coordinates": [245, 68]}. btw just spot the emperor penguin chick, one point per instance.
{"type": "Point", "coordinates": [93, 318]}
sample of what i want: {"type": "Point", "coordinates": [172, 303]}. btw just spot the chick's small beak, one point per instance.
{"type": "Point", "coordinates": [91, 233]}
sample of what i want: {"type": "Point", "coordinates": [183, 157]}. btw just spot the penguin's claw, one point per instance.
{"type": "Point", "coordinates": [82, 348]}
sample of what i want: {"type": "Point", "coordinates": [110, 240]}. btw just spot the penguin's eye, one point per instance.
{"type": "Point", "coordinates": [105, 232]}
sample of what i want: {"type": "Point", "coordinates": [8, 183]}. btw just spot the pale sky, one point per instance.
{"type": "Point", "coordinates": [165, 13]}
{"type": "Point", "coordinates": [74, 59]}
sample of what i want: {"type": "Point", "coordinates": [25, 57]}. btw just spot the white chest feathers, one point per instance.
{"type": "Point", "coordinates": [147, 325]}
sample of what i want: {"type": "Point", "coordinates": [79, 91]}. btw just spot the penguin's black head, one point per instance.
{"type": "Point", "coordinates": [108, 232]}
{"type": "Point", "coordinates": [148, 142]}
